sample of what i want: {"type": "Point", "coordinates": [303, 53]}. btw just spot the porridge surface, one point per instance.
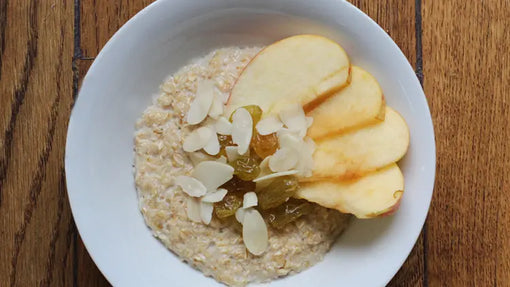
{"type": "Point", "coordinates": [216, 249]}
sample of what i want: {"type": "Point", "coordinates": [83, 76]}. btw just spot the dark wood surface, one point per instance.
{"type": "Point", "coordinates": [458, 48]}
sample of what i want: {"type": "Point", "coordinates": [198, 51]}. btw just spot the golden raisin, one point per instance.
{"type": "Point", "coordinates": [288, 212]}
{"type": "Point", "coordinates": [238, 185]}
{"type": "Point", "coordinates": [264, 146]}
{"type": "Point", "coordinates": [228, 206]}
{"type": "Point", "coordinates": [246, 167]}
{"type": "Point", "coordinates": [277, 192]}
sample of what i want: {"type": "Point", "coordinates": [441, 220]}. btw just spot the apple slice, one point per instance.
{"type": "Point", "coordinates": [376, 194]}
{"type": "Point", "coordinates": [356, 105]}
{"type": "Point", "coordinates": [300, 69]}
{"type": "Point", "coordinates": [358, 152]}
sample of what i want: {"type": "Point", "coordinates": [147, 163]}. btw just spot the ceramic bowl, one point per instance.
{"type": "Point", "coordinates": [157, 42]}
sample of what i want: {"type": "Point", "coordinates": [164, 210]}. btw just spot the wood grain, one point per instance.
{"type": "Point", "coordinates": [36, 227]}
{"type": "Point", "coordinates": [99, 20]}
{"type": "Point", "coordinates": [466, 67]}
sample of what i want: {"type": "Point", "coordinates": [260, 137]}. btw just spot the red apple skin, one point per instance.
{"type": "Point", "coordinates": [390, 210]}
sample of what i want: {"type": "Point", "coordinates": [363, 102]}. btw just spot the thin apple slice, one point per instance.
{"type": "Point", "coordinates": [356, 105]}
{"type": "Point", "coordinates": [358, 152]}
{"type": "Point", "coordinates": [300, 69]}
{"type": "Point", "coordinates": [376, 194]}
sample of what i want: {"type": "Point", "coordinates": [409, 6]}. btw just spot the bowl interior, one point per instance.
{"type": "Point", "coordinates": [157, 42]}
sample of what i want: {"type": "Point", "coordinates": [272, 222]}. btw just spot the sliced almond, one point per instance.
{"type": "Point", "coordinates": [290, 141]}
{"type": "Point", "coordinates": [264, 167]}
{"type": "Point", "coordinates": [216, 107]}
{"type": "Point", "coordinates": [305, 164]}
{"type": "Point", "coordinates": [193, 209]}
{"type": "Point", "coordinates": [213, 145]}
{"type": "Point", "coordinates": [223, 126]}
{"type": "Point", "coordinates": [242, 128]}
{"type": "Point", "coordinates": [269, 125]}
{"type": "Point", "coordinates": [303, 148]}
{"type": "Point", "coordinates": [216, 196]}
{"type": "Point", "coordinates": [197, 139]}
{"type": "Point", "coordinates": [200, 106]}
{"type": "Point", "coordinates": [213, 174]}
{"type": "Point", "coordinates": [250, 199]}
{"type": "Point", "coordinates": [190, 185]}
{"type": "Point", "coordinates": [232, 153]}
{"type": "Point", "coordinates": [206, 210]}
{"type": "Point", "coordinates": [198, 157]}
{"type": "Point", "coordinates": [283, 159]}
{"type": "Point", "coordinates": [294, 119]}
{"type": "Point", "coordinates": [309, 122]}
{"type": "Point", "coordinates": [222, 159]}
{"type": "Point", "coordinates": [240, 214]}
{"type": "Point", "coordinates": [254, 232]}
{"type": "Point", "coordinates": [264, 171]}
{"type": "Point", "coordinates": [276, 174]}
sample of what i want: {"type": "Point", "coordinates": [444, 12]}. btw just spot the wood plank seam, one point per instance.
{"type": "Point", "coordinates": [3, 25]}
{"type": "Point", "coordinates": [419, 74]}
{"type": "Point", "coordinates": [76, 77]}
{"type": "Point", "coordinates": [77, 31]}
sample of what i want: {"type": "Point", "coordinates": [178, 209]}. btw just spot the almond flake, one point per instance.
{"type": "Point", "coordinates": [193, 209]}
{"type": "Point", "coordinates": [190, 186]}
{"type": "Point", "coordinates": [232, 153]}
{"type": "Point", "coordinates": [250, 199]}
{"type": "Point", "coordinates": [254, 232]}
{"type": "Point", "coordinates": [305, 165]}
{"type": "Point", "coordinates": [294, 119]}
{"type": "Point", "coordinates": [276, 174]}
{"type": "Point", "coordinates": [310, 144]}
{"type": "Point", "coordinates": [309, 122]}
{"type": "Point", "coordinates": [223, 126]}
{"type": "Point", "coordinates": [206, 210]}
{"type": "Point", "coordinates": [197, 139]}
{"type": "Point", "coordinates": [222, 159]}
{"type": "Point", "coordinates": [198, 157]}
{"type": "Point", "coordinates": [240, 214]}
{"type": "Point", "coordinates": [269, 125]}
{"type": "Point", "coordinates": [264, 171]}
{"type": "Point", "coordinates": [213, 174]}
{"type": "Point", "coordinates": [242, 128]}
{"type": "Point", "coordinates": [216, 107]}
{"type": "Point", "coordinates": [200, 106]}
{"type": "Point", "coordinates": [213, 145]}
{"type": "Point", "coordinates": [264, 167]}
{"type": "Point", "coordinates": [290, 141]}
{"type": "Point", "coordinates": [283, 159]}
{"type": "Point", "coordinates": [216, 196]}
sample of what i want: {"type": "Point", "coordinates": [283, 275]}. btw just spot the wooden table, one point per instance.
{"type": "Point", "coordinates": [460, 50]}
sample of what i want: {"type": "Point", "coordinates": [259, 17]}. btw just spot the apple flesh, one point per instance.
{"type": "Point", "coordinates": [373, 195]}
{"type": "Point", "coordinates": [358, 104]}
{"type": "Point", "coordinates": [360, 151]}
{"type": "Point", "coordinates": [300, 69]}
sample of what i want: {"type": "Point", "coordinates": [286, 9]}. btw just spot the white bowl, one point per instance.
{"type": "Point", "coordinates": [165, 36]}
